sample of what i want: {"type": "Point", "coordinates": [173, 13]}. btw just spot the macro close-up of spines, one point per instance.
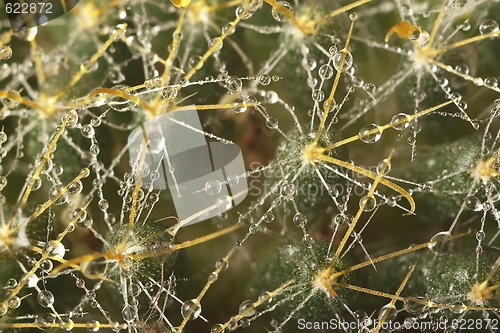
{"type": "Point", "coordinates": [250, 165]}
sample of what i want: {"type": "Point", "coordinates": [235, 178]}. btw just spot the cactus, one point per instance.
{"type": "Point", "coordinates": [370, 135]}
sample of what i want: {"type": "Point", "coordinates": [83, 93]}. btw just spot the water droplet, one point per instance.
{"type": "Point", "coordinates": [5, 52]}
{"type": "Point", "coordinates": [413, 305]}
{"type": "Point", "coordinates": [264, 79]}
{"type": "Point", "coordinates": [309, 63]}
{"type": "Point", "coordinates": [443, 82]}
{"type": "Point", "coordinates": [14, 302]}
{"type": "Point", "coordinates": [367, 203]}
{"type": "Point", "coordinates": [103, 204]}
{"type": "Point", "coordinates": [325, 72]}
{"type": "Point", "coordinates": [195, 62]}
{"type": "Point", "coordinates": [239, 109]}
{"type": "Point", "coordinates": [423, 39]}
{"type": "Point", "coordinates": [387, 313]}
{"type": "Point", "coordinates": [156, 143]}
{"type": "Point", "coordinates": [308, 241]}
{"type": "Point", "coordinates": [217, 328]}
{"type": "Point", "coordinates": [300, 220]}
{"type": "Point", "coordinates": [66, 323]}
{"type": "Point", "coordinates": [473, 203]}
{"type": "Point", "coordinates": [439, 240]}
{"type": "Point", "coordinates": [272, 123]}
{"type": "Point", "coordinates": [277, 15]}
{"type": "Point", "coordinates": [54, 193]}
{"type": "Point", "coordinates": [353, 16]}
{"type": "Point", "coordinates": [491, 82]}
{"type": "Point", "coordinates": [3, 309]}
{"type": "Point", "coordinates": [58, 249]}
{"type": "Point", "coordinates": [216, 43]}
{"type": "Point", "coordinates": [318, 95]}
{"type": "Point", "coordinates": [247, 306]}
{"type": "Point", "coordinates": [87, 131]}
{"type": "Point", "coordinates": [369, 87]}
{"type": "Point", "coordinates": [268, 217]}
{"type": "Point", "coordinates": [488, 26]}
{"type": "Point", "coordinates": [458, 307]}
{"type": "Point", "coordinates": [462, 69]}
{"type": "Point", "coordinates": [233, 180]}
{"type": "Point", "coordinates": [232, 324]}
{"type": "Point", "coordinates": [337, 60]}
{"type": "Point", "coordinates": [222, 263]}
{"type": "Point", "coordinates": [71, 119]}
{"type": "Point", "coordinates": [45, 298]}
{"type": "Point", "coordinates": [213, 187]}
{"type": "Point", "coordinates": [93, 326]}
{"type": "Point", "coordinates": [357, 82]}
{"type": "Point", "coordinates": [46, 265]}
{"type": "Point", "coordinates": [271, 97]}
{"type": "Point", "coordinates": [169, 93]}
{"type": "Point", "coordinates": [370, 133]}
{"type": "Point", "coordinates": [252, 6]}
{"type": "Point", "coordinates": [191, 307]}
{"type": "Point", "coordinates": [480, 235]}
{"type": "Point", "coordinates": [75, 188]}
{"type": "Point", "coordinates": [385, 165]}
{"type": "Point", "coordinates": [119, 34]}
{"type": "Point", "coordinates": [128, 313]}
{"type": "Point", "coordinates": [119, 103]}
{"type": "Point", "coordinates": [234, 84]}
{"type": "Point", "coordinates": [11, 283]}
{"type": "Point", "coordinates": [288, 190]}
{"type": "Point", "coordinates": [228, 29]}
{"type": "Point", "coordinates": [465, 26]}
{"type": "Point", "coordinates": [400, 121]}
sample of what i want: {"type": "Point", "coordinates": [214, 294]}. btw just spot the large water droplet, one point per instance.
{"type": "Point", "coordinates": [191, 307]}
{"type": "Point", "coordinates": [423, 39]}
{"type": "Point", "coordinates": [370, 133]}
{"type": "Point", "coordinates": [325, 72]}
{"type": "Point", "coordinates": [458, 307]}
{"type": "Point", "coordinates": [58, 249]}
{"type": "Point", "coordinates": [45, 298]}
{"type": "Point", "coordinates": [400, 121]}
{"type": "Point", "coordinates": [128, 313]}
{"type": "Point", "coordinates": [473, 203]}
{"type": "Point", "coordinates": [264, 79]}
{"type": "Point", "coordinates": [213, 187]}
{"type": "Point", "coordinates": [169, 93]}
{"type": "Point", "coordinates": [118, 103]}
{"type": "Point", "coordinates": [234, 84]}
{"type": "Point", "coordinates": [71, 119]}
{"type": "Point", "coordinates": [414, 305]}
{"type": "Point", "coordinates": [308, 241]}
{"type": "Point", "coordinates": [300, 220]}
{"type": "Point", "coordinates": [367, 203]}
{"type": "Point", "coordinates": [277, 15]}
{"type": "Point", "coordinates": [75, 188]}
{"type": "Point", "coordinates": [46, 265]}
{"type": "Point", "coordinates": [5, 52]}
{"type": "Point", "coordinates": [384, 167]}
{"type": "Point", "coordinates": [387, 313]}
{"type": "Point", "coordinates": [318, 95]}
{"type": "Point", "coordinates": [439, 240]}
{"type": "Point", "coordinates": [488, 26]}
{"type": "Point", "coordinates": [337, 60]}
{"type": "Point", "coordinates": [247, 306]}
{"type": "Point", "coordinates": [93, 326]}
